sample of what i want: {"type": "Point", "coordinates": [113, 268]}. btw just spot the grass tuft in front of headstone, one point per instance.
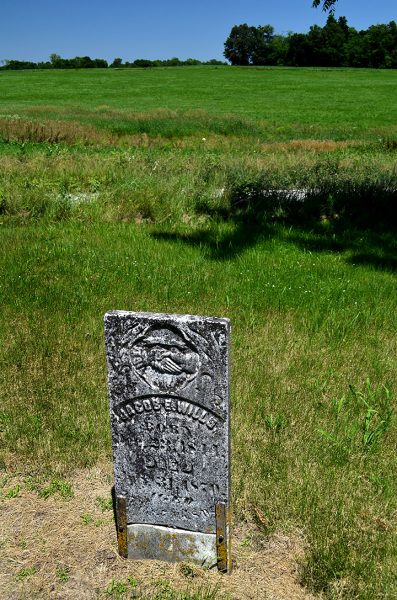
{"type": "Point", "coordinates": [161, 590]}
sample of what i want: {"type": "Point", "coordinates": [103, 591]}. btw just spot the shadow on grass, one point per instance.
{"type": "Point", "coordinates": [384, 263]}
{"type": "Point", "coordinates": [221, 245]}
{"type": "Point", "coordinates": [377, 249]}
{"type": "Point", "coordinates": [358, 218]}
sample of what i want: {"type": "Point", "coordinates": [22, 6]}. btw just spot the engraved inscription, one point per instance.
{"type": "Point", "coordinates": [148, 404]}
{"type": "Point", "coordinates": [168, 389]}
{"type": "Point", "coordinates": [172, 465]}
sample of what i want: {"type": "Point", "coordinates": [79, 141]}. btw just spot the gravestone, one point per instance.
{"type": "Point", "coordinates": [168, 381]}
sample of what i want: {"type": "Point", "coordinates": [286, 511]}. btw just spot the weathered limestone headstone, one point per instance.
{"type": "Point", "coordinates": [169, 407]}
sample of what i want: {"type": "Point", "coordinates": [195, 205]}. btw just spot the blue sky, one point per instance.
{"type": "Point", "coordinates": [33, 29]}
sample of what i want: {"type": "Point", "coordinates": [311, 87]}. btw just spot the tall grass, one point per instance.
{"type": "Point", "coordinates": [204, 179]}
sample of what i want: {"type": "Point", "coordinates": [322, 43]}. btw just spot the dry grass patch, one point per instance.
{"type": "Point", "coordinates": [54, 132]}
{"type": "Point", "coordinates": [63, 546]}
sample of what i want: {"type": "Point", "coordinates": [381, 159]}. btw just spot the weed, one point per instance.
{"type": "Point", "coordinates": [26, 572]}
{"type": "Point", "coordinates": [57, 486]}
{"type": "Point", "coordinates": [378, 414]}
{"type": "Point", "coordinates": [163, 586]}
{"type": "Point", "coordinates": [358, 430]}
{"type": "Point", "coordinates": [132, 581]}
{"type": "Point", "coordinates": [62, 574]}
{"type": "Point", "coordinates": [164, 591]}
{"type": "Point", "coordinates": [104, 503]}
{"type": "Point", "coordinates": [4, 421]}
{"type": "Point", "coordinates": [13, 492]}
{"type": "Point", "coordinates": [275, 423]}
{"type": "Point", "coordinates": [117, 588]}
{"type": "Point", "coordinates": [187, 570]}
{"type": "Point", "coordinates": [87, 519]}
{"type": "Point", "coordinates": [4, 479]}
{"type": "Point", "coordinates": [246, 542]}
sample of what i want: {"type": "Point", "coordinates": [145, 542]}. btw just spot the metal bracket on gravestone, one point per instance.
{"type": "Point", "coordinates": [121, 517]}
{"type": "Point", "coordinates": [222, 537]}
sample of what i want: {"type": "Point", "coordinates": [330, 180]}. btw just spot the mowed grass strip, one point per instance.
{"type": "Point", "coordinates": [342, 103]}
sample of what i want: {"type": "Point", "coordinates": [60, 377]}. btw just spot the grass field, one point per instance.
{"type": "Point", "coordinates": [337, 102]}
{"type": "Point", "coordinates": [143, 190]}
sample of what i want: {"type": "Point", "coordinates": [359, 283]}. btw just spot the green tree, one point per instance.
{"type": "Point", "coordinates": [248, 45]}
{"type": "Point", "coordinates": [356, 49]}
{"type": "Point", "coordinates": [331, 51]}
{"type": "Point", "coordinates": [262, 45]}
{"type": "Point", "coordinates": [56, 61]}
{"type": "Point", "coordinates": [241, 44]}
{"type": "Point", "coordinates": [381, 43]}
{"type": "Point", "coordinates": [192, 62]}
{"type": "Point", "coordinates": [278, 50]}
{"type": "Point", "coordinates": [299, 53]}
{"type": "Point", "coordinates": [117, 63]}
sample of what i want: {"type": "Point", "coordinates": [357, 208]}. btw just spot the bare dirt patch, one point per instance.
{"type": "Point", "coordinates": [63, 546]}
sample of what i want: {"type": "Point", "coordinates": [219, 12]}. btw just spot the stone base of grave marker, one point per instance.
{"type": "Point", "coordinates": [169, 406]}
{"type": "Point", "coordinates": [172, 545]}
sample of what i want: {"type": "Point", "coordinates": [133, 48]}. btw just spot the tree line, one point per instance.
{"type": "Point", "coordinates": [334, 45]}
{"type": "Point", "coordinates": [85, 62]}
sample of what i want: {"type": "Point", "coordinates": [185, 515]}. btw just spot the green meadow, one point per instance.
{"type": "Point", "coordinates": [283, 103]}
{"type": "Point", "coordinates": [159, 190]}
